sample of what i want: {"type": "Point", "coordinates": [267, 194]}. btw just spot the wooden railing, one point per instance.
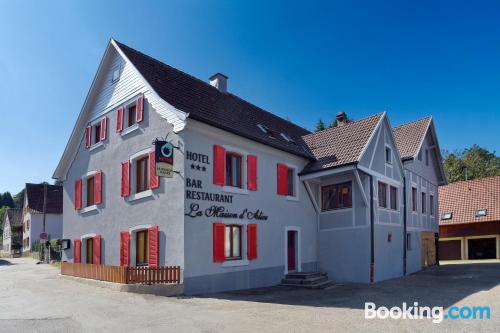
{"type": "Point", "coordinates": [121, 274]}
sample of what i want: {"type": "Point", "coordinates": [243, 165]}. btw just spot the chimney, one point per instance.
{"type": "Point", "coordinates": [341, 119]}
{"type": "Point", "coordinates": [219, 81]}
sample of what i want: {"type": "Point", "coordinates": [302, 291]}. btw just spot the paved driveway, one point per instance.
{"type": "Point", "coordinates": [33, 298]}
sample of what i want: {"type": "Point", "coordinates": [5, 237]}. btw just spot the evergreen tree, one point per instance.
{"type": "Point", "coordinates": [320, 125]}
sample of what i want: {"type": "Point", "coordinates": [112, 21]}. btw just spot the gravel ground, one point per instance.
{"type": "Point", "coordinates": [34, 299]}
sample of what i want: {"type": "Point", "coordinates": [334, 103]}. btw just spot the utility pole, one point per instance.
{"type": "Point", "coordinates": [44, 213]}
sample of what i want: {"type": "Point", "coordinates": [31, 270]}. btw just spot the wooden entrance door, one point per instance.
{"type": "Point", "coordinates": [291, 248]}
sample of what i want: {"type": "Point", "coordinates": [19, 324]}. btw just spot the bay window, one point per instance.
{"type": "Point", "coordinates": [336, 196]}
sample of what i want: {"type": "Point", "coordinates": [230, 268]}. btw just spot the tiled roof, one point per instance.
{"type": "Point", "coordinates": [462, 199]}
{"type": "Point", "coordinates": [340, 145]}
{"type": "Point", "coordinates": [34, 193]}
{"type": "Point", "coordinates": [15, 217]}
{"type": "Point", "coordinates": [208, 105]}
{"type": "Point", "coordinates": [409, 136]}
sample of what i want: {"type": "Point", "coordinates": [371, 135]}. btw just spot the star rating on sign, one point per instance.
{"type": "Point", "coordinates": [198, 167]}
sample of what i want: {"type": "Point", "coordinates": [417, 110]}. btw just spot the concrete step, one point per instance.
{"type": "Point", "coordinates": [312, 280]}
{"type": "Point", "coordinates": [304, 275]}
{"type": "Point", "coordinates": [321, 285]}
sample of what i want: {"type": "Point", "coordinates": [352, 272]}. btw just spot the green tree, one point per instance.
{"type": "Point", "coordinates": [320, 125]}
{"type": "Point", "coordinates": [2, 216]}
{"type": "Point", "coordinates": [471, 163]}
{"type": "Point", "coordinates": [7, 200]}
{"type": "Point", "coordinates": [19, 199]}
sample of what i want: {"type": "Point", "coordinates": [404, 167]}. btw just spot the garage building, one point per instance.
{"type": "Point", "coordinates": [469, 226]}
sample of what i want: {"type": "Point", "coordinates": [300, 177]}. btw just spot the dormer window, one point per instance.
{"type": "Point", "coordinates": [480, 212]}
{"type": "Point", "coordinates": [446, 216]}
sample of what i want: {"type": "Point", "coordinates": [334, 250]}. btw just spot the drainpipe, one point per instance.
{"type": "Point", "coordinates": [404, 224]}
{"type": "Point", "coordinates": [372, 236]}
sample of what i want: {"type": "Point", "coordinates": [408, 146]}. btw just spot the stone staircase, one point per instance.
{"type": "Point", "coordinates": [309, 280]}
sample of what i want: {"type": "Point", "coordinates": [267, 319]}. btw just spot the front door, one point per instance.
{"type": "Point", "coordinates": [291, 245]}
{"type": "Point", "coordinates": [90, 250]}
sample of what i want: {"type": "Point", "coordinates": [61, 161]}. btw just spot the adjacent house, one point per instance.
{"type": "Point", "coordinates": [42, 213]}
{"type": "Point", "coordinates": [469, 227]}
{"type": "Point", "coordinates": [252, 197]}
{"type": "Point", "coordinates": [423, 164]}
{"type": "Point", "coordinates": [13, 231]}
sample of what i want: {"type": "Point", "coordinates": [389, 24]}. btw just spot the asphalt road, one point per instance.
{"type": "Point", "coordinates": [34, 299]}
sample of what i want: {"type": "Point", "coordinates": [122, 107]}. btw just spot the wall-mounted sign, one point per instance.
{"type": "Point", "coordinates": [224, 213]}
{"type": "Point", "coordinates": [164, 159]}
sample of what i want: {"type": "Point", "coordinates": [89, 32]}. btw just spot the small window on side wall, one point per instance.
{"type": "Point", "coordinates": [414, 199]}
{"type": "Point", "coordinates": [382, 195]}
{"type": "Point", "coordinates": [233, 170]}
{"type": "Point", "coordinates": [394, 197]}
{"type": "Point", "coordinates": [388, 155]}
{"type": "Point", "coordinates": [408, 241]}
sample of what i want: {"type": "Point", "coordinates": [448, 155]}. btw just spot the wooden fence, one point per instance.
{"type": "Point", "coordinates": [121, 274]}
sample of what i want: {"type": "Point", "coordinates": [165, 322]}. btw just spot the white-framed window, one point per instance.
{"type": "Point", "coordinates": [431, 204]}
{"type": "Point", "coordinates": [115, 75]}
{"type": "Point", "coordinates": [382, 195]}
{"type": "Point", "coordinates": [88, 192]}
{"type": "Point", "coordinates": [96, 133]}
{"type": "Point", "coordinates": [235, 170]}
{"type": "Point", "coordinates": [423, 202]}
{"type": "Point", "coordinates": [130, 115]}
{"type": "Point", "coordinates": [139, 175]}
{"type": "Point", "coordinates": [233, 242]}
{"type": "Point", "coordinates": [336, 196]}
{"type": "Point", "coordinates": [388, 155]}
{"type": "Point", "coordinates": [414, 199]}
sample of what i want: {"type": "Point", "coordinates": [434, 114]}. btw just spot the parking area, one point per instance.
{"type": "Point", "coordinates": [34, 298]}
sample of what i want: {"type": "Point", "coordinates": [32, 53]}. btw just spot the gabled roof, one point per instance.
{"type": "Point", "coordinates": [34, 196]}
{"type": "Point", "coordinates": [15, 216]}
{"type": "Point", "coordinates": [222, 110]}
{"type": "Point", "coordinates": [340, 145]}
{"type": "Point", "coordinates": [462, 199]}
{"type": "Point", "coordinates": [409, 137]}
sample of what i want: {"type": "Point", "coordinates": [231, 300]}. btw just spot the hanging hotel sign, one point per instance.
{"type": "Point", "coordinates": [164, 159]}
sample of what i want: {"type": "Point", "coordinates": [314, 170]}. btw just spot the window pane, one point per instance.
{"type": "Point", "coordinates": [227, 241]}
{"type": "Point", "coordinates": [414, 198]}
{"type": "Point", "coordinates": [97, 133]}
{"type": "Point", "coordinates": [382, 195]}
{"type": "Point", "coordinates": [423, 202]}
{"type": "Point", "coordinates": [291, 182]}
{"type": "Point", "coordinates": [131, 115]}
{"type": "Point", "coordinates": [142, 175]}
{"type": "Point", "coordinates": [236, 241]}
{"type": "Point", "coordinates": [90, 191]}
{"type": "Point", "coordinates": [328, 197]}
{"type": "Point", "coordinates": [90, 248]}
{"type": "Point", "coordinates": [142, 248]}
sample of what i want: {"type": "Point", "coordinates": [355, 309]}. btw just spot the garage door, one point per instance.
{"type": "Point", "coordinates": [450, 250]}
{"type": "Point", "coordinates": [482, 248]}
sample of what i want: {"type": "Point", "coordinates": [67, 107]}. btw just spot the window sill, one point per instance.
{"type": "Point", "coordinates": [236, 190]}
{"type": "Point", "coordinates": [140, 195]}
{"type": "Point", "coordinates": [235, 263]}
{"type": "Point", "coordinates": [290, 198]}
{"type": "Point", "coordinates": [88, 209]}
{"type": "Point", "coordinates": [96, 145]}
{"type": "Point", "coordinates": [336, 210]}
{"type": "Point", "coordinates": [129, 130]}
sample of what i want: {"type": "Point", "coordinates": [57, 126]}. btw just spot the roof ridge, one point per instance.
{"type": "Point", "coordinates": [331, 129]}
{"type": "Point", "coordinates": [209, 85]}
{"type": "Point", "coordinates": [476, 180]}
{"type": "Point", "coordinates": [412, 122]}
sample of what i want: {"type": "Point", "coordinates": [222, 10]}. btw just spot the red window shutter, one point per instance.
{"type": "Point", "coordinates": [282, 179]}
{"type": "Point", "coordinates": [252, 241]}
{"type": "Point", "coordinates": [96, 251]}
{"type": "Point", "coordinates": [252, 173]}
{"type": "Point", "coordinates": [124, 248]}
{"type": "Point", "coordinates": [218, 241]}
{"type": "Point", "coordinates": [219, 165]}
{"type": "Point", "coordinates": [139, 114]}
{"type": "Point", "coordinates": [154, 181]}
{"type": "Point", "coordinates": [153, 246]}
{"type": "Point", "coordinates": [119, 120]}
{"type": "Point", "coordinates": [104, 125]}
{"type": "Point", "coordinates": [88, 136]}
{"type": "Point", "coordinates": [125, 179]}
{"type": "Point", "coordinates": [78, 194]}
{"type": "Point", "coordinates": [77, 249]}
{"type": "Point", "coordinates": [98, 188]}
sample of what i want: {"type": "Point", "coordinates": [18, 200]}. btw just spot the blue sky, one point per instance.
{"type": "Point", "coordinates": [302, 61]}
